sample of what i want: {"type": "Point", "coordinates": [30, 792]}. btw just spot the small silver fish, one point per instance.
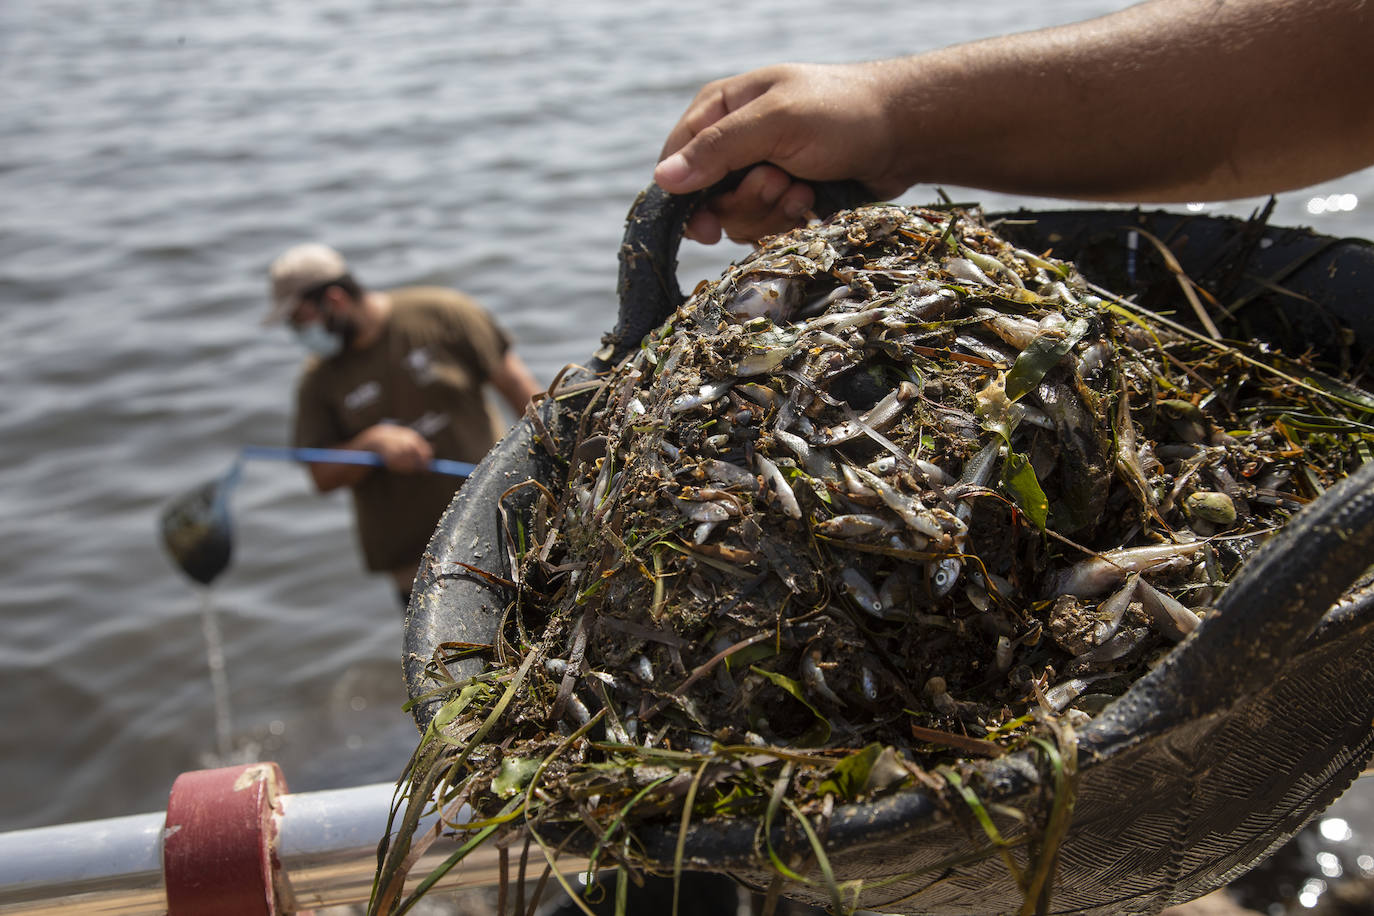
{"type": "Point", "coordinates": [853, 583]}
{"type": "Point", "coordinates": [765, 297]}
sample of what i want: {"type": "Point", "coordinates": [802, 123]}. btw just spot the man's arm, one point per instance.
{"type": "Point", "coordinates": [1166, 101]}
{"type": "Point", "coordinates": [515, 382]}
{"type": "Point", "coordinates": [402, 449]}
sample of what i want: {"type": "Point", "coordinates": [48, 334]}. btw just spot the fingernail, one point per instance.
{"type": "Point", "coordinates": [672, 171]}
{"type": "Point", "coordinates": [793, 208]}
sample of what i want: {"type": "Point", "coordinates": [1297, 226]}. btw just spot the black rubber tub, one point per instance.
{"type": "Point", "coordinates": [1249, 728]}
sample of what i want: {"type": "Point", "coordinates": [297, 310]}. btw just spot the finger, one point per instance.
{"type": "Point", "coordinates": [760, 189]}
{"type": "Point", "coordinates": [796, 202]}
{"type": "Point", "coordinates": [703, 227]}
{"type": "Point", "coordinates": [747, 215]}
{"type": "Point", "coordinates": [725, 136]}
{"type": "Point", "coordinates": [707, 108]}
{"type": "Point", "coordinates": [715, 101]}
{"type": "Point", "coordinates": [397, 461]}
{"type": "Point", "coordinates": [729, 144]}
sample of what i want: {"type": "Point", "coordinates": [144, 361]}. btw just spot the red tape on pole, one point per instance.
{"type": "Point", "coordinates": [219, 844]}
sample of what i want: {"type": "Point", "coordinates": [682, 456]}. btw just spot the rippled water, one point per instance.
{"type": "Point", "coordinates": [154, 156]}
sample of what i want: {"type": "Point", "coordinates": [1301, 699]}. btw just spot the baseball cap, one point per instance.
{"type": "Point", "coordinates": [298, 270]}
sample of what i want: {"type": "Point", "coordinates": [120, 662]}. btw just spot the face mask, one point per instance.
{"type": "Point", "coordinates": [319, 340]}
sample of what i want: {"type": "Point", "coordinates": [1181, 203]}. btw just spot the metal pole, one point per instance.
{"type": "Point", "coordinates": [326, 847]}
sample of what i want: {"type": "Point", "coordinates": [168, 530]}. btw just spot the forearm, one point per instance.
{"type": "Point", "coordinates": [401, 449]}
{"type": "Point", "coordinates": [1167, 101]}
{"type": "Point", "coordinates": [515, 382]}
{"type": "Point", "coordinates": [329, 477]}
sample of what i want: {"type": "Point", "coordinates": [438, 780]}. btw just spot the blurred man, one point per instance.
{"type": "Point", "coordinates": [402, 373]}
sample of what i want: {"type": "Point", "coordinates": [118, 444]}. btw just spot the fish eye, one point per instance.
{"type": "Point", "coordinates": [943, 575]}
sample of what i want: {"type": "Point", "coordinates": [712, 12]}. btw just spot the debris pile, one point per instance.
{"type": "Point", "coordinates": [891, 495]}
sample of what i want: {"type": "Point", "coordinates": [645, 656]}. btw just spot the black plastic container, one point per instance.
{"type": "Point", "coordinates": [1248, 729]}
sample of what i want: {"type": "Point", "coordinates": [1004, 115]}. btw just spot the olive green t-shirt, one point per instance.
{"type": "Point", "coordinates": [426, 370]}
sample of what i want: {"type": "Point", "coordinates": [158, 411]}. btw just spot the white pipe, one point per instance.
{"type": "Point", "coordinates": [327, 846]}
{"type": "Point", "coordinates": [112, 866]}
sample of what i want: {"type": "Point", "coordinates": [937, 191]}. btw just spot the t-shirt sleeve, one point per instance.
{"type": "Point", "coordinates": [314, 423]}
{"type": "Point", "coordinates": [476, 330]}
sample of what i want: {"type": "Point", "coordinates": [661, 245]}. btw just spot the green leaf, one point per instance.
{"type": "Point", "coordinates": [454, 707]}
{"type": "Point", "coordinates": [735, 801]}
{"type": "Point", "coordinates": [1316, 423]}
{"type": "Point", "coordinates": [850, 775]}
{"type": "Point", "coordinates": [749, 655]}
{"type": "Point", "coordinates": [1041, 355]}
{"type": "Point", "coordinates": [1018, 479]}
{"type": "Point", "coordinates": [819, 732]}
{"type": "Point", "coordinates": [514, 775]}
{"type": "Point", "coordinates": [1331, 386]}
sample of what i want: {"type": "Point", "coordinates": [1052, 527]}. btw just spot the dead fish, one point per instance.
{"type": "Point", "coordinates": [730, 475]}
{"type": "Point", "coordinates": [854, 526]}
{"type": "Point", "coordinates": [1111, 611]}
{"type": "Point", "coordinates": [1168, 614]}
{"type": "Point", "coordinates": [1003, 654]}
{"type": "Point", "coordinates": [895, 590]}
{"type": "Point", "coordinates": [796, 445]}
{"type": "Point", "coordinates": [977, 472]}
{"type": "Point", "coordinates": [1019, 332]}
{"type": "Point", "coordinates": [765, 360]}
{"type": "Point", "coordinates": [1065, 692]}
{"type": "Point", "coordinates": [842, 321]}
{"type": "Point", "coordinates": [990, 265]}
{"type": "Point", "coordinates": [759, 394]}
{"type": "Point", "coordinates": [965, 270]}
{"type": "Point", "coordinates": [1121, 644]}
{"type": "Point", "coordinates": [1094, 357]}
{"type": "Point", "coordinates": [575, 711]}
{"type": "Point", "coordinates": [853, 584]}
{"type": "Point", "coordinates": [868, 683]}
{"type": "Point", "coordinates": [823, 303]}
{"type": "Point", "coordinates": [1066, 295]}
{"type": "Point", "coordinates": [787, 500]}
{"type": "Point", "coordinates": [708, 510]}
{"type": "Point", "coordinates": [942, 575]}
{"type": "Point", "coordinates": [814, 678]}
{"type": "Point", "coordinates": [932, 306]}
{"type": "Point", "coordinates": [911, 510]}
{"type": "Point", "coordinates": [706, 394]}
{"type": "Point", "coordinates": [879, 417]}
{"type": "Point", "coordinates": [1095, 575]}
{"type": "Point", "coordinates": [765, 297]}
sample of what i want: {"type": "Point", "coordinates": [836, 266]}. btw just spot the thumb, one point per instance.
{"type": "Point", "coordinates": [733, 142]}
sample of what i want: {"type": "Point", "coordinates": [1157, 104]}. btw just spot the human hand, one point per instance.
{"type": "Point", "coordinates": [402, 449]}
{"type": "Point", "coordinates": [809, 121]}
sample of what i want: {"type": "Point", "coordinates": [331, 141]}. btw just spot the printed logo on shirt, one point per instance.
{"type": "Point", "coordinates": [430, 423]}
{"type": "Point", "coordinates": [421, 366]}
{"type": "Point", "coordinates": [364, 395]}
